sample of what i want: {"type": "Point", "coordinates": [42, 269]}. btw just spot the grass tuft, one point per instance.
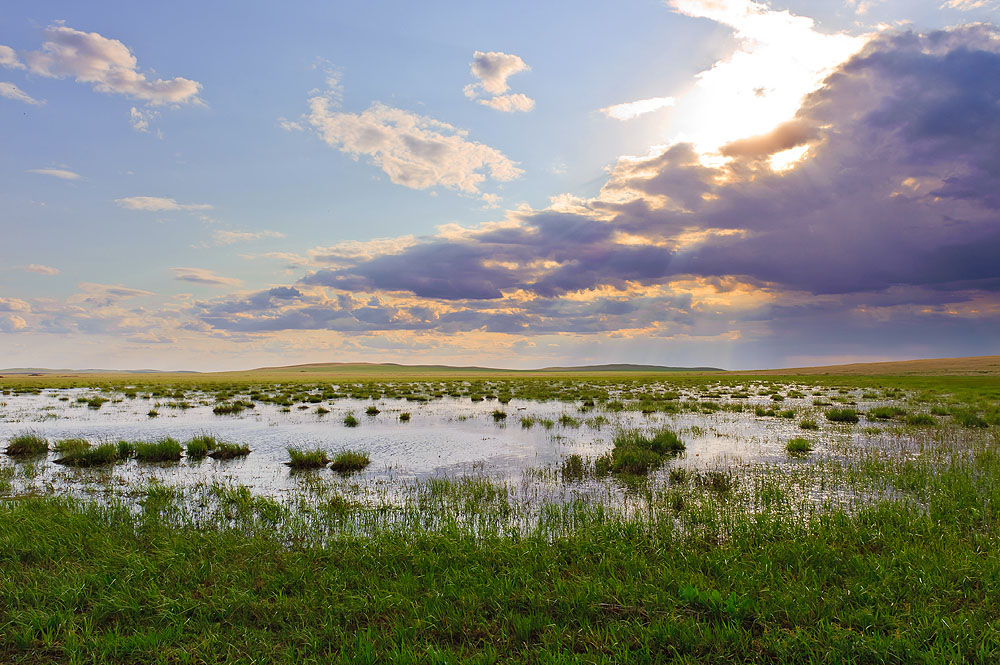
{"type": "Point", "coordinates": [27, 444]}
{"type": "Point", "coordinates": [307, 459]}
{"type": "Point", "coordinates": [162, 450]}
{"type": "Point", "coordinates": [348, 461]}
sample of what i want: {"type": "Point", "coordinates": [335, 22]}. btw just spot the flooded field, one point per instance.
{"type": "Point", "coordinates": [538, 443]}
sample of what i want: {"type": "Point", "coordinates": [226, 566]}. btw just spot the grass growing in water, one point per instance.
{"type": "Point", "coordinates": [101, 455]}
{"type": "Point", "coordinates": [307, 459]}
{"type": "Point", "coordinates": [70, 445]}
{"type": "Point", "coordinates": [348, 461]}
{"type": "Point", "coordinates": [162, 450]}
{"type": "Point", "coordinates": [798, 446]}
{"type": "Point", "coordinates": [200, 446]}
{"type": "Point", "coordinates": [842, 416]}
{"type": "Point", "coordinates": [637, 453]}
{"type": "Point", "coordinates": [350, 420]}
{"type": "Point", "coordinates": [226, 451]}
{"type": "Point", "coordinates": [27, 444]}
{"type": "Point", "coordinates": [809, 424]}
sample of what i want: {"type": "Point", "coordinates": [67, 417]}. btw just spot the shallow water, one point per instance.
{"type": "Point", "coordinates": [446, 437]}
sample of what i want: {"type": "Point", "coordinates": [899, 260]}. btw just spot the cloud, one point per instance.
{"type": "Point", "coordinates": [107, 64]}
{"type": "Point", "coordinates": [884, 228]}
{"type": "Point", "coordinates": [62, 174]}
{"type": "Point", "coordinates": [41, 269]}
{"type": "Point", "coordinates": [140, 118]}
{"type": "Point", "coordinates": [8, 58]}
{"type": "Point", "coordinates": [10, 323]}
{"type": "Point", "coordinates": [14, 305]}
{"type": "Point", "coordinates": [203, 276]}
{"type": "Point", "coordinates": [965, 5]}
{"type": "Point", "coordinates": [413, 150]}
{"type": "Point", "coordinates": [158, 204]}
{"type": "Point", "coordinates": [631, 110]}
{"type": "Point", "coordinates": [780, 58]}
{"type": "Point", "coordinates": [11, 91]}
{"type": "Point", "coordinates": [221, 237]}
{"type": "Point", "coordinates": [492, 69]}
{"type": "Point", "coordinates": [509, 103]}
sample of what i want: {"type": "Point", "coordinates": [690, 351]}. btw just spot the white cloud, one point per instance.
{"type": "Point", "coordinates": [509, 103]}
{"type": "Point", "coordinates": [493, 68]}
{"type": "Point", "coordinates": [11, 91]}
{"type": "Point", "coordinates": [40, 269]}
{"type": "Point", "coordinates": [221, 237]}
{"type": "Point", "coordinates": [203, 276]}
{"type": "Point", "coordinates": [64, 174]}
{"type": "Point", "coordinates": [781, 57]}
{"type": "Point", "coordinates": [105, 63]}
{"type": "Point", "coordinates": [8, 58]}
{"type": "Point", "coordinates": [140, 118]}
{"type": "Point", "coordinates": [630, 110]}
{"type": "Point", "coordinates": [158, 204]}
{"type": "Point", "coordinates": [413, 150]}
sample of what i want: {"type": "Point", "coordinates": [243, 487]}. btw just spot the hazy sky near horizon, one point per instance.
{"type": "Point", "coordinates": [688, 182]}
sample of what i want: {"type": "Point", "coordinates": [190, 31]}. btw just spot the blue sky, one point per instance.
{"type": "Point", "coordinates": [166, 167]}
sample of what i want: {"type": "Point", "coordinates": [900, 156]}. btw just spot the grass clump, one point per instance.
{"type": "Point", "coordinates": [499, 415]}
{"type": "Point", "coordinates": [200, 446]}
{"type": "Point", "coordinates": [102, 455]}
{"type": "Point", "coordinates": [842, 416]}
{"type": "Point", "coordinates": [921, 420]}
{"type": "Point", "coordinates": [27, 444]}
{"type": "Point", "coordinates": [307, 459]}
{"type": "Point", "coordinates": [809, 424]}
{"type": "Point", "coordinates": [372, 411]}
{"type": "Point", "coordinates": [404, 417]}
{"type": "Point", "coordinates": [637, 453]}
{"type": "Point", "coordinates": [162, 450]}
{"type": "Point", "coordinates": [226, 451]}
{"type": "Point", "coordinates": [350, 420]}
{"type": "Point", "coordinates": [348, 461]}
{"type": "Point", "coordinates": [70, 445]}
{"type": "Point", "coordinates": [798, 446]}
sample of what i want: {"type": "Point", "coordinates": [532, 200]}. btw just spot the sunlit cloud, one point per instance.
{"type": "Point", "coordinates": [105, 63]}
{"type": "Point", "coordinates": [158, 204]}
{"type": "Point", "coordinates": [781, 57]}
{"type": "Point", "coordinates": [41, 269]}
{"type": "Point", "coordinates": [62, 174]}
{"type": "Point", "coordinates": [415, 151]}
{"type": "Point", "coordinates": [630, 110]}
{"type": "Point", "coordinates": [9, 59]}
{"type": "Point", "coordinates": [11, 91]}
{"type": "Point", "coordinates": [204, 277]}
{"type": "Point", "coordinates": [222, 237]}
{"type": "Point", "coordinates": [492, 69]}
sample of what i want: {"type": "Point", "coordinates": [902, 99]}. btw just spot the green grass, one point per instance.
{"type": "Point", "coordinates": [27, 444]}
{"type": "Point", "coordinates": [842, 416]}
{"type": "Point", "coordinates": [347, 461]}
{"type": "Point", "coordinates": [798, 446]}
{"type": "Point", "coordinates": [404, 417]}
{"type": "Point", "coordinates": [636, 452]}
{"type": "Point", "coordinates": [200, 446]}
{"type": "Point", "coordinates": [225, 451]}
{"type": "Point", "coordinates": [350, 420]}
{"type": "Point", "coordinates": [162, 450]}
{"type": "Point", "coordinates": [102, 455]}
{"type": "Point", "coordinates": [67, 446]}
{"type": "Point", "coordinates": [307, 459]}
{"type": "Point", "coordinates": [498, 415]}
{"type": "Point", "coordinates": [809, 424]}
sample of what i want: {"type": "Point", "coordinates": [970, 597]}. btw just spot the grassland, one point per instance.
{"type": "Point", "coordinates": [898, 561]}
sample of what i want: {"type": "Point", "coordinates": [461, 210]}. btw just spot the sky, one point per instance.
{"type": "Point", "coordinates": [733, 183]}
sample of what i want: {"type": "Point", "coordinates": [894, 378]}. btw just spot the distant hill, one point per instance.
{"type": "Point", "coordinates": [396, 368]}
{"type": "Point", "coordinates": [62, 372]}
{"type": "Point", "coordinates": [970, 366]}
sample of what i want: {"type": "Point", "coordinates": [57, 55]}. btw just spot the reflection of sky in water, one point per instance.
{"type": "Point", "coordinates": [445, 437]}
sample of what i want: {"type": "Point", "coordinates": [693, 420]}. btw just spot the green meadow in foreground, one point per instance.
{"type": "Point", "coordinates": [882, 546]}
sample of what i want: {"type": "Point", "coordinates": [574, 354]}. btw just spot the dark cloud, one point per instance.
{"type": "Point", "coordinates": [894, 209]}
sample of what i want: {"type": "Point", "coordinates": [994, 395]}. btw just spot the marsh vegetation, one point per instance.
{"type": "Point", "coordinates": [621, 519]}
